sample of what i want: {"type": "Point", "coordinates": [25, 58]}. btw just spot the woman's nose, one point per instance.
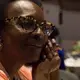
{"type": "Point", "coordinates": [39, 31]}
{"type": "Point", "coordinates": [38, 34]}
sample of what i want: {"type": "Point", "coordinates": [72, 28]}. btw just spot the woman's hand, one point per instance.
{"type": "Point", "coordinates": [49, 51]}
{"type": "Point", "coordinates": [49, 61]}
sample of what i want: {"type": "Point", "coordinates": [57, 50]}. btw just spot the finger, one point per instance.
{"type": "Point", "coordinates": [53, 41]}
{"type": "Point", "coordinates": [56, 54]}
{"type": "Point", "coordinates": [55, 45]}
{"type": "Point", "coordinates": [52, 44]}
{"type": "Point", "coordinates": [49, 54]}
{"type": "Point", "coordinates": [51, 47]}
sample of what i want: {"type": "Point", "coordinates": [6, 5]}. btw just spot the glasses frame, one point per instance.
{"type": "Point", "coordinates": [45, 26]}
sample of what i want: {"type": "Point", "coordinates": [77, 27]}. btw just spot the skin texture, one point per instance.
{"type": "Point", "coordinates": [18, 35]}
{"type": "Point", "coordinates": [15, 53]}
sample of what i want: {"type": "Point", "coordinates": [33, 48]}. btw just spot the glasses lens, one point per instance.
{"type": "Point", "coordinates": [27, 25]}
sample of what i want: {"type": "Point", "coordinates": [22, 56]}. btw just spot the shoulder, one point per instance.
{"type": "Point", "coordinates": [3, 73]}
{"type": "Point", "coordinates": [25, 73]}
{"type": "Point", "coordinates": [3, 76]}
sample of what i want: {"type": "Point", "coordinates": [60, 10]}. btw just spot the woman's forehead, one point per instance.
{"type": "Point", "coordinates": [24, 8]}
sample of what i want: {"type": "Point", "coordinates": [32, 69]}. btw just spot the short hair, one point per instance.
{"type": "Point", "coordinates": [38, 2]}
{"type": "Point", "coordinates": [3, 4]}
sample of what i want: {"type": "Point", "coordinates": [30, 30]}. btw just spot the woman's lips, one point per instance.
{"type": "Point", "coordinates": [38, 46]}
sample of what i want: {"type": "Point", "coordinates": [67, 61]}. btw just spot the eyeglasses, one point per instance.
{"type": "Point", "coordinates": [31, 24]}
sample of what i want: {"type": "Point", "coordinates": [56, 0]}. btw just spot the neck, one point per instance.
{"type": "Point", "coordinates": [10, 67]}
{"type": "Point", "coordinates": [10, 64]}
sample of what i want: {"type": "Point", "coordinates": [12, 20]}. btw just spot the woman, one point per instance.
{"type": "Point", "coordinates": [22, 39]}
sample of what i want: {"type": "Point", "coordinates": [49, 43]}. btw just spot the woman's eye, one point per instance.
{"type": "Point", "coordinates": [27, 25]}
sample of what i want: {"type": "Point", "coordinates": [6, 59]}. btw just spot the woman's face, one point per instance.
{"type": "Point", "coordinates": [25, 45]}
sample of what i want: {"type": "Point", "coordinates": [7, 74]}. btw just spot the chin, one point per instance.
{"type": "Point", "coordinates": [32, 54]}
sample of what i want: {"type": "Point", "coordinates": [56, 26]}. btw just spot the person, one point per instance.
{"type": "Point", "coordinates": [23, 39]}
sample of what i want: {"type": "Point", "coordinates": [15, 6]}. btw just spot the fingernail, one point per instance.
{"type": "Point", "coordinates": [53, 41]}
{"type": "Point", "coordinates": [49, 42]}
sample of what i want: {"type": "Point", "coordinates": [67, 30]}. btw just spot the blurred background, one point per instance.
{"type": "Point", "coordinates": [70, 19]}
{"type": "Point", "coordinates": [65, 15]}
